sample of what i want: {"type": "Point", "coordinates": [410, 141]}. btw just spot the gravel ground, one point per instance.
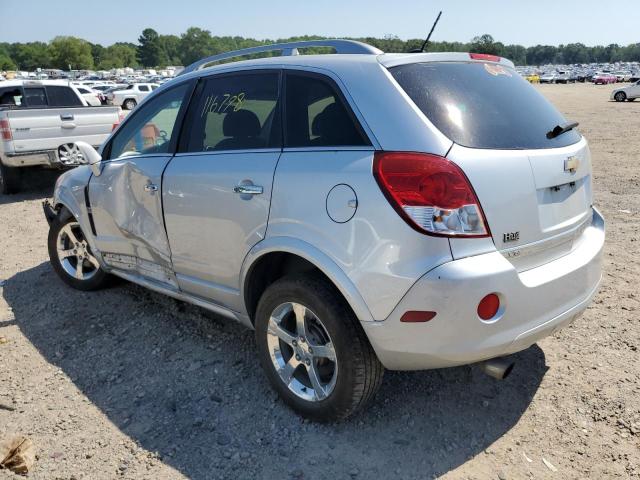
{"type": "Point", "coordinates": [125, 383]}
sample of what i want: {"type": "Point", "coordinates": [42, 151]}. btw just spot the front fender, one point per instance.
{"type": "Point", "coordinates": [69, 193]}
{"type": "Point", "coordinates": [317, 258]}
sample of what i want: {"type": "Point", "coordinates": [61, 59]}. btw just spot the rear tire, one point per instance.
{"type": "Point", "coordinates": [10, 179]}
{"type": "Point", "coordinates": [129, 104]}
{"type": "Point", "coordinates": [71, 256]}
{"type": "Point", "coordinates": [620, 97]}
{"type": "Point", "coordinates": [346, 370]}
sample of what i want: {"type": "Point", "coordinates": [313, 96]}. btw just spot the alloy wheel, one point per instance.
{"type": "Point", "coordinates": [70, 154]}
{"type": "Point", "coordinates": [302, 351]}
{"type": "Point", "coordinates": [74, 253]}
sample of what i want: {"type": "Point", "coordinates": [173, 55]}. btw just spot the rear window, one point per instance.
{"type": "Point", "coordinates": [482, 105]}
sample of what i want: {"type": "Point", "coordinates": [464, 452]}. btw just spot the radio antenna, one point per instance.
{"type": "Point", "coordinates": [426, 42]}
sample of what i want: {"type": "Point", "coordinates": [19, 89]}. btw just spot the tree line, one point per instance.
{"type": "Point", "coordinates": [156, 50]}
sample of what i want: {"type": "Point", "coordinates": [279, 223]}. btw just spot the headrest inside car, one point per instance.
{"type": "Point", "coordinates": [242, 123]}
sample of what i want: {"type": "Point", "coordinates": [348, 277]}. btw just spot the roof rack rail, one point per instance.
{"type": "Point", "coordinates": [287, 49]}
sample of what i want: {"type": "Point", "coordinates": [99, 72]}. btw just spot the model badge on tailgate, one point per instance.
{"type": "Point", "coordinates": [510, 237]}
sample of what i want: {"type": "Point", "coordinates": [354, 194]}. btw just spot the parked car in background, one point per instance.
{"type": "Point", "coordinates": [307, 197]}
{"type": "Point", "coordinates": [629, 93]}
{"type": "Point", "coordinates": [39, 123]}
{"type": "Point", "coordinates": [604, 78]}
{"type": "Point", "coordinates": [131, 95]}
{"type": "Point", "coordinates": [533, 78]}
{"type": "Point", "coordinates": [92, 97]}
{"type": "Point", "coordinates": [548, 78]}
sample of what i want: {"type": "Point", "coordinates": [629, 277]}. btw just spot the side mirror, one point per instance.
{"type": "Point", "coordinates": [91, 157]}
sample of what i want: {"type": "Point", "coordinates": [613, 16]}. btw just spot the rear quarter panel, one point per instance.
{"type": "Point", "coordinates": [376, 249]}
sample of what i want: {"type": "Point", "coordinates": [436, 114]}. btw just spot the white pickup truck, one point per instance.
{"type": "Point", "coordinates": [131, 95]}
{"type": "Point", "coordinates": [39, 123]}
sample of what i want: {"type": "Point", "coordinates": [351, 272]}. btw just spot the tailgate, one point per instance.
{"type": "Point", "coordinates": [535, 203]}
{"type": "Point", "coordinates": [48, 128]}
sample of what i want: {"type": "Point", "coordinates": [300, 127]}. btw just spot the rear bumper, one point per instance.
{"type": "Point", "coordinates": [534, 304]}
{"type": "Point", "coordinates": [30, 159]}
{"type": "Point", "coordinates": [35, 158]}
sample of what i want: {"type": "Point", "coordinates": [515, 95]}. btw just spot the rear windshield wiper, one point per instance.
{"type": "Point", "coordinates": [560, 129]}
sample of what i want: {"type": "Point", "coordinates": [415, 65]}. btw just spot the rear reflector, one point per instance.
{"type": "Point", "coordinates": [484, 56]}
{"type": "Point", "coordinates": [5, 129]}
{"type": "Point", "coordinates": [489, 306]}
{"type": "Point", "coordinates": [414, 316]}
{"type": "Point", "coordinates": [430, 193]}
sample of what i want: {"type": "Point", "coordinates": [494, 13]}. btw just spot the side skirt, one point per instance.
{"type": "Point", "coordinates": [160, 288]}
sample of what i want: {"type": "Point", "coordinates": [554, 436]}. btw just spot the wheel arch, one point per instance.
{"type": "Point", "coordinates": [276, 257]}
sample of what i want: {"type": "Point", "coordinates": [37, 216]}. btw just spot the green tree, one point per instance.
{"type": "Point", "coordinates": [6, 63]}
{"type": "Point", "coordinates": [485, 44]}
{"type": "Point", "coordinates": [72, 51]}
{"type": "Point", "coordinates": [118, 55]}
{"type": "Point", "coordinates": [195, 44]}
{"type": "Point", "coordinates": [170, 45]}
{"type": "Point", "coordinates": [150, 51]}
{"type": "Point", "coordinates": [29, 56]}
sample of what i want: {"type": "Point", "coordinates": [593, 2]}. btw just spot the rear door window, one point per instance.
{"type": "Point", "coordinates": [235, 112]}
{"type": "Point", "coordinates": [317, 115]}
{"type": "Point", "coordinates": [11, 96]}
{"type": "Point", "coordinates": [61, 96]}
{"type": "Point", "coordinates": [35, 97]}
{"type": "Point", "coordinates": [483, 105]}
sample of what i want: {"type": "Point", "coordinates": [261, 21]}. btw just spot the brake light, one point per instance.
{"type": "Point", "coordinates": [5, 129]}
{"type": "Point", "coordinates": [430, 193]}
{"type": "Point", "coordinates": [120, 119]}
{"type": "Point", "coordinates": [484, 56]}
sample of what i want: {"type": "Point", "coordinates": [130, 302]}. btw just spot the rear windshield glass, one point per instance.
{"type": "Point", "coordinates": [482, 105]}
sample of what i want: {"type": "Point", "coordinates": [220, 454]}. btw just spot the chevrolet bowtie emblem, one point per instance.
{"type": "Point", "coordinates": [571, 164]}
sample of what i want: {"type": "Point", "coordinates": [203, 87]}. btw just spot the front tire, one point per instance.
{"type": "Point", "coordinates": [620, 97]}
{"type": "Point", "coordinates": [313, 349]}
{"type": "Point", "coordinates": [71, 256]}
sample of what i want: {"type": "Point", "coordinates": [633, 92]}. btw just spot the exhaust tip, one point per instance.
{"type": "Point", "coordinates": [498, 368]}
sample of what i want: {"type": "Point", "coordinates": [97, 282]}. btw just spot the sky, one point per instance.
{"type": "Point", "coordinates": [525, 22]}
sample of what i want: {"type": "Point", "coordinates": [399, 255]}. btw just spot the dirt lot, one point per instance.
{"type": "Point", "coordinates": [125, 383]}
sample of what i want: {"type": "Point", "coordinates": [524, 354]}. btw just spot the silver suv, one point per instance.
{"type": "Point", "coordinates": [359, 210]}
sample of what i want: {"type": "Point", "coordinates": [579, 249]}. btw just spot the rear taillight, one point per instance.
{"type": "Point", "coordinates": [5, 129]}
{"type": "Point", "coordinates": [120, 119]}
{"type": "Point", "coordinates": [484, 56]}
{"type": "Point", "coordinates": [430, 193]}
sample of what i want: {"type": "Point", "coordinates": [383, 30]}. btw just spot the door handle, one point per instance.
{"type": "Point", "coordinates": [151, 187]}
{"type": "Point", "coordinates": [66, 116]}
{"type": "Point", "coordinates": [248, 189]}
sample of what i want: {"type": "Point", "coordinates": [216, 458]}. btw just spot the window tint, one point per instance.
{"type": "Point", "coordinates": [143, 88]}
{"type": "Point", "coordinates": [236, 112]}
{"type": "Point", "coordinates": [151, 127]}
{"type": "Point", "coordinates": [153, 87]}
{"type": "Point", "coordinates": [482, 105]}
{"type": "Point", "coordinates": [35, 97]}
{"type": "Point", "coordinates": [317, 116]}
{"type": "Point", "coordinates": [60, 96]}
{"type": "Point", "coordinates": [11, 96]}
